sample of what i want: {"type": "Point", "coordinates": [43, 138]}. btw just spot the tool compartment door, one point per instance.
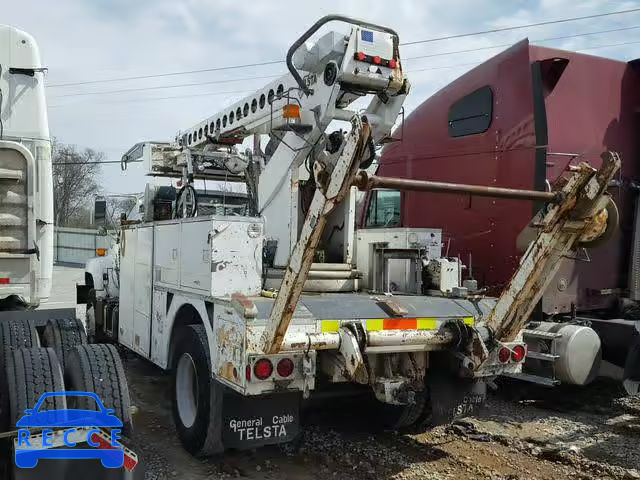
{"type": "Point", "coordinates": [195, 267]}
{"type": "Point", "coordinates": [135, 289]}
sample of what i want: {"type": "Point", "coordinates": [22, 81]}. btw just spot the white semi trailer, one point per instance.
{"type": "Point", "coordinates": [254, 313]}
{"type": "Point", "coordinates": [26, 189]}
{"type": "Point", "coordinates": [41, 350]}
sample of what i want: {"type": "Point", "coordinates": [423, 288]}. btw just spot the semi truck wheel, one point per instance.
{"type": "Point", "coordinates": [30, 372]}
{"type": "Point", "coordinates": [97, 368]}
{"type": "Point", "coordinates": [18, 334]}
{"type": "Point", "coordinates": [197, 398]}
{"type": "Point", "coordinates": [63, 335]}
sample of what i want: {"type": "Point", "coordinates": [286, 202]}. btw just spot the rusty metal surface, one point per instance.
{"type": "Point", "coordinates": [560, 232]}
{"type": "Point", "coordinates": [435, 339]}
{"type": "Point", "coordinates": [310, 341]}
{"type": "Point", "coordinates": [333, 184]}
{"type": "Point", "coordinates": [367, 182]}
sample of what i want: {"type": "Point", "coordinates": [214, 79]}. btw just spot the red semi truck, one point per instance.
{"type": "Point", "coordinates": [520, 120]}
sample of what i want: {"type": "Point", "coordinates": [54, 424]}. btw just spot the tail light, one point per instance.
{"type": "Point", "coordinates": [247, 373]}
{"type": "Point", "coordinates": [518, 353]}
{"type": "Point", "coordinates": [360, 56]}
{"type": "Point", "coordinates": [285, 367]}
{"type": "Point", "coordinates": [5, 281]}
{"type": "Point", "coordinates": [504, 354]}
{"type": "Point", "coordinates": [393, 63]}
{"type": "Point", "coordinates": [377, 60]}
{"type": "Point", "coordinates": [263, 369]}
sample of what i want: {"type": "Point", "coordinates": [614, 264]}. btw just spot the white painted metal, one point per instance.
{"type": "Point", "coordinates": [445, 273]}
{"type": "Point", "coordinates": [78, 245]}
{"type": "Point", "coordinates": [429, 239]}
{"type": "Point", "coordinates": [186, 390]}
{"type": "Point", "coordinates": [24, 124]}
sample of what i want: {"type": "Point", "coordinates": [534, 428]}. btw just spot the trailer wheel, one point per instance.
{"type": "Point", "coordinates": [63, 335]}
{"type": "Point", "coordinates": [97, 368]}
{"type": "Point", "coordinates": [197, 398]}
{"type": "Point", "coordinates": [30, 372]}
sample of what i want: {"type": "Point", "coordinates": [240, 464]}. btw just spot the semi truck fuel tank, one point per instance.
{"type": "Point", "coordinates": [567, 352]}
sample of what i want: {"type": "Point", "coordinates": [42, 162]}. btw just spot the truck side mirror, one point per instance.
{"type": "Point", "coordinates": [100, 212]}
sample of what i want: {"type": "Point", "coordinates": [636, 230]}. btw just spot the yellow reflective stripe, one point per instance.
{"type": "Point", "coordinates": [469, 321]}
{"type": "Point", "coordinates": [375, 324]}
{"type": "Point", "coordinates": [427, 323]}
{"type": "Point", "coordinates": [330, 326]}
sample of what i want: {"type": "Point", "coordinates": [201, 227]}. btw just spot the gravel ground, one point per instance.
{"type": "Point", "coordinates": [524, 433]}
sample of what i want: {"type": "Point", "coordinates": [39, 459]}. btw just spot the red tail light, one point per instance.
{"type": "Point", "coordinates": [263, 369]}
{"type": "Point", "coordinates": [360, 56]}
{"type": "Point", "coordinates": [5, 281]}
{"type": "Point", "coordinates": [393, 63]}
{"type": "Point", "coordinates": [504, 354]}
{"type": "Point", "coordinates": [377, 60]}
{"type": "Point", "coordinates": [285, 367]}
{"type": "Point", "coordinates": [247, 373]}
{"type": "Point", "coordinates": [518, 353]}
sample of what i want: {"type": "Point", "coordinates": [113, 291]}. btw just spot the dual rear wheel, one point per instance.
{"type": "Point", "coordinates": [59, 361]}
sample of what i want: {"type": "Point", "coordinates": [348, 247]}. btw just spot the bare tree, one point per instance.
{"type": "Point", "coordinates": [75, 181]}
{"type": "Point", "coordinates": [116, 206]}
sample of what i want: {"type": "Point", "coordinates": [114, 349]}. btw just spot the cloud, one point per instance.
{"type": "Point", "coordinates": [98, 39]}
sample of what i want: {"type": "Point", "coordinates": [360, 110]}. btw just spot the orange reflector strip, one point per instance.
{"type": "Point", "coordinates": [291, 110]}
{"type": "Point", "coordinates": [101, 252]}
{"type": "Point", "coordinates": [400, 324]}
{"type": "Point", "coordinates": [5, 281]}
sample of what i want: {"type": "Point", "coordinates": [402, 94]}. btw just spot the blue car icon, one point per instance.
{"type": "Point", "coordinates": [78, 426]}
{"type": "Point", "coordinates": [69, 417]}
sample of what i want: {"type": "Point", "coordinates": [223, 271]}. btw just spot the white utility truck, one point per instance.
{"type": "Point", "coordinates": [255, 313]}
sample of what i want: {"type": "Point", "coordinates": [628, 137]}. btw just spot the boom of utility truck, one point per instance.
{"type": "Point", "coordinates": [254, 313]}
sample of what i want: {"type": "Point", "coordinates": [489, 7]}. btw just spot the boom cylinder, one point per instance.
{"type": "Point", "coordinates": [368, 182]}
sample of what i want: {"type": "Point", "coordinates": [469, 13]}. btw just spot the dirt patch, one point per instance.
{"type": "Point", "coordinates": [523, 436]}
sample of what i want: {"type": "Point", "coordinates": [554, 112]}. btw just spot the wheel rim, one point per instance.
{"type": "Point", "coordinates": [187, 390]}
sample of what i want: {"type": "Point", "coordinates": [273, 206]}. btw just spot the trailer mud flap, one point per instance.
{"type": "Point", "coordinates": [251, 422]}
{"type": "Point", "coordinates": [453, 397]}
{"type": "Point", "coordinates": [631, 377]}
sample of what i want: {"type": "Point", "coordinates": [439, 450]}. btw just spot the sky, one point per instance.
{"type": "Point", "coordinates": [88, 40]}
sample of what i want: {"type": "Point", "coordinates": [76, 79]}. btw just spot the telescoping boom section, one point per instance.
{"type": "Point", "coordinates": [290, 296]}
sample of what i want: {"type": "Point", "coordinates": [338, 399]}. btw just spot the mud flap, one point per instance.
{"type": "Point", "coordinates": [631, 376]}
{"type": "Point", "coordinates": [453, 397]}
{"type": "Point", "coordinates": [251, 422]}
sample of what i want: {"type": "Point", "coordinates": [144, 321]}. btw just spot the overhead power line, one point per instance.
{"type": "Point", "coordinates": [504, 45]}
{"type": "Point", "coordinates": [276, 62]}
{"type": "Point", "coordinates": [100, 162]}
{"type": "Point", "coordinates": [440, 67]}
{"type": "Point", "coordinates": [169, 74]}
{"type": "Point", "coordinates": [162, 87]}
{"type": "Point", "coordinates": [519, 27]}
{"type": "Point", "coordinates": [136, 100]}
{"type": "Point", "coordinates": [594, 47]}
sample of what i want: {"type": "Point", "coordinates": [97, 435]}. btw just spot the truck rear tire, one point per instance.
{"type": "Point", "coordinates": [97, 368]}
{"type": "Point", "coordinates": [18, 334]}
{"type": "Point", "coordinates": [30, 372]}
{"type": "Point", "coordinates": [63, 335]}
{"type": "Point", "coordinates": [197, 397]}
{"type": "Point", "coordinates": [401, 417]}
